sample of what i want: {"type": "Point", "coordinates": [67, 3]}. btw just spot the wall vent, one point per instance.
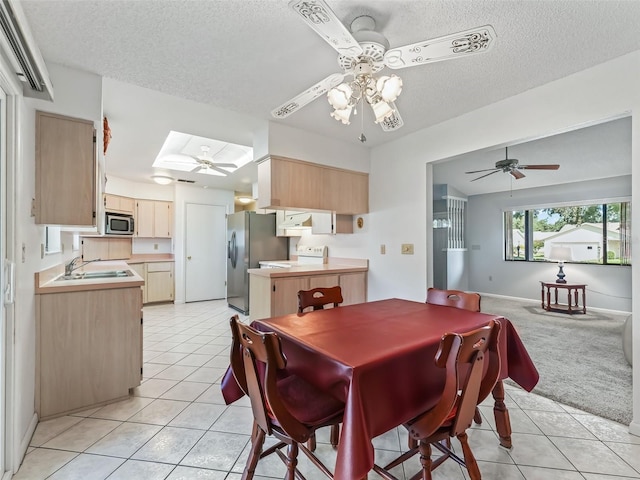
{"type": "Point", "coordinates": [184, 180]}
{"type": "Point", "coordinates": [20, 49]}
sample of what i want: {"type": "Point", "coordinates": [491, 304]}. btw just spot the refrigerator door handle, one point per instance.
{"type": "Point", "coordinates": [233, 250]}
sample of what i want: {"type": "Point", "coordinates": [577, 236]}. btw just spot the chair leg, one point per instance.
{"type": "Point", "coordinates": [335, 435]}
{"type": "Point", "coordinates": [425, 460]}
{"type": "Point", "coordinates": [311, 443]}
{"type": "Point", "coordinates": [254, 454]}
{"type": "Point", "coordinates": [469, 459]}
{"type": "Point", "coordinates": [477, 417]}
{"type": "Point", "coordinates": [412, 443]}
{"type": "Point", "coordinates": [292, 461]}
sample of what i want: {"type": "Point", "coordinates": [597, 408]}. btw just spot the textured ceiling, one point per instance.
{"type": "Point", "coordinates": [251, 56]}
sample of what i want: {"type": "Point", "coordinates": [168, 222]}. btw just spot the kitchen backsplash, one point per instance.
{"type": "Point", "coordinates": [151, 245]}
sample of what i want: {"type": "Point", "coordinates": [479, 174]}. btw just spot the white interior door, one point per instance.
{"type": "Point", "coordinates": [205, 248]}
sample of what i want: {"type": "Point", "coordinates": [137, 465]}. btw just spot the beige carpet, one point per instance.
{"type": "Point", "coordinates": [579, 357]}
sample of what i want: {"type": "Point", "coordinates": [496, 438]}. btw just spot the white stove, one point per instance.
{"type": "Point", "coordinates": [308, 255]}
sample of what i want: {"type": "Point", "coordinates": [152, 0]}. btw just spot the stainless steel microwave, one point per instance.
{"type": "Point", "coordinates": [118, 224]}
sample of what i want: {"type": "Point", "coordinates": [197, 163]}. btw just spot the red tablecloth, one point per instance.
{"type": "Point", "coordinates": [378, 358]}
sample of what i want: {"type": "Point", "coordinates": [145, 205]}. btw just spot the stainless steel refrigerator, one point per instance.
{"type": "Point", "coordinates": [251, 238]}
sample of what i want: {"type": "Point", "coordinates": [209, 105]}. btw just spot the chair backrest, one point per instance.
{"type": "Point", "coordinates": [256, 359]}
{"type": "Point", "coordinates": [454, 298]}
{"type": "Point", "coordinates": [319, 297]}
{"type": "Point", "coordinates": [472, 363]}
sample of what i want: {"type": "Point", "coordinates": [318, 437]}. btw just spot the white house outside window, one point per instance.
{"type": "Point", "coordinates": [596, 233]}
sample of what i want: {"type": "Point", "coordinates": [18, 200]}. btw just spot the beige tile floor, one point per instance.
{"type": "Point", "coordinates": [177, 426]}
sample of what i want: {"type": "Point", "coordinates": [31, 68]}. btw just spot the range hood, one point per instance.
{"type": "Point", "coordinates": [296, 220]}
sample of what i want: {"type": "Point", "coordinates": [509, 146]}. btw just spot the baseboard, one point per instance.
{"type": "Point", "coordinates": [19, 453]}
{"type": "Point", "coordinates": [529, 300]}
{"type": "Point", "coordinates": [634, 428]}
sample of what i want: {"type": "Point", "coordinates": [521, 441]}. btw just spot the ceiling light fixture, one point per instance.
{"type": "Point", "coordinates": [162, 179]}
{"type": "Point", "coordinates": [380, 93]}
{"type": "Point", "coordinates": [244, 200]}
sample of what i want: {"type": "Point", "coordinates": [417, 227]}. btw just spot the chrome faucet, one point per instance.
{"type": "Point", "coordinates": [71, 265]}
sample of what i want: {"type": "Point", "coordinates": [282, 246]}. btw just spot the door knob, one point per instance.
{"type": "Point", "coordinates": [189, 257]}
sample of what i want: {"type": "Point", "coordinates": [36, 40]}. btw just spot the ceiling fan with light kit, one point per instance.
{"type": "Point", "coordinates": [364, 52]}
{"type": "Point", "coordinates": [512, 167]}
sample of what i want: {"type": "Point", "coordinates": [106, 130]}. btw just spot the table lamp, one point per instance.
{"type": "Point", "coordinates": [560, 255]}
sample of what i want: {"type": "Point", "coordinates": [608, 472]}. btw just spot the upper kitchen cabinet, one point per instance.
{"type": "Point", "coordinates": [345, 192]}
{"type": "Point", "coordinates": [295, 184]}
{"type": "Point", "coordinates": [154, 219]}
{"type": "Point", "coordinates": [65, 191]}
{"type": "Point", "coordinates": [118, 204]}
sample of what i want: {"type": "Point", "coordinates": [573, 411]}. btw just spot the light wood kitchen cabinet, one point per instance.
{"type": "Point", "coordinates": [354, 287]}
{"type": "Point", "coordinates": [329, 223]}
{"type": "Point", "coordinates": [271, 297]}
{"type": "Point", "coordinates": [158, 281]}
{"type": "Point", "coordinates": [289, 183]}
{"type": "Point", "coordinates": [66, 179]}
{"type": "Point", "coordinates": [88, 348]}
{"type": "Point", "coordinates": [141, 269]}
{"type": "Point", "coordinates": [118, 204]}
{"type": "Point", "coordinates": [154, 219]}
{"type": "Point", "coordinates": [103, 248]}
{"type": "Point", "coordinates": [345, 191]}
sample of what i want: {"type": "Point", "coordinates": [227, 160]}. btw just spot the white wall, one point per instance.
{"type": "Point", "coordinates": [295, 143]}
{"type": "Point", "coordinates": [77, 94]}
{"type": "Point", "coordinates": [608, 286]}
{"type": "Point", "coordinates": [397, 194]}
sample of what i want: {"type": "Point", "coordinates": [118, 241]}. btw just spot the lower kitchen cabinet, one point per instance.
{"type": "Point", "coordinates": [275, 296]}
{"type": "Point", "coordinates": [88, 348]}
{"type": "Point", "coordinates": [158, 281]}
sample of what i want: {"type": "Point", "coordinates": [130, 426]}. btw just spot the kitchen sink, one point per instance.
{"type": "Point", "coordinates": [96, 275]}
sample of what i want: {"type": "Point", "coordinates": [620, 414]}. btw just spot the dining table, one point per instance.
{"type": "Point", "coordinates": [378, 358]}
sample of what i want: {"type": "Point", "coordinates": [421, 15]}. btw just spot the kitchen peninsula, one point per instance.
{"type": "Point", "coordinates": [88, 336]}
{"type": "Point", "coordinates": [274, 291]}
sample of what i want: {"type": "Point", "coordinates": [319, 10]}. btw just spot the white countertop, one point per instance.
{"type": "Point", "coordinates": [47, 280]}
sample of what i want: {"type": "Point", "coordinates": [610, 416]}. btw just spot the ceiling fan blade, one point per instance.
{"type": "Point", "coordinates": [540, 167]}
{"type": "Point", "coordinates": [197, 169]}
{"type": "Point", "coordinates": [482, 176]}
{"type": "Point", "coordinates": [318, 15]}
{"type": "Point", "coordinates": [517, 174]}
{"type": "Point", "coordinates": [299, 101]}
{"type": "Point", "coordinates": [480, 171]}
{"type": "Point", "coordinates": [476, 40]}
{"type": "Point", "coordinates": [393, 122]}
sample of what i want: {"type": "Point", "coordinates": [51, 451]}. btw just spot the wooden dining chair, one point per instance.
{"type": "Point", "coordinates": [458, 299]}
{"type": "Point", "coordinates": [454, 298]}
{"type": "Point", "coordinates": [463, 356]}
{"type": "Point", "coordinates": [318, 298]}
{"type": "Point", "coordinates": [284, 405]}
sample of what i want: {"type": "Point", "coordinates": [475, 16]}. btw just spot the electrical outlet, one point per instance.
{"type": "Point", "coordinates": [155, 246]}
{"type": "Point", "coordinates": [490, 278]}
{"type": "Point", "coordinates": [407, 249]}
{"type": "Point", "coordinates": [383, 249]}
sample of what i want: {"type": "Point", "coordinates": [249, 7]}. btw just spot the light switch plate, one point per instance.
{"type": "Point", "coordinates": [407, 249]}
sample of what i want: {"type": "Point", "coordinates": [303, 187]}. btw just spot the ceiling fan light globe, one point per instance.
{"type": "Point", "coordinates": [343, 114]}
{"type": "Point", "coordinates": [389, 87]}
{"type": "Point", "coordinates": [381, 110]}
{"type": "Point", "coordinates": [339, 97]}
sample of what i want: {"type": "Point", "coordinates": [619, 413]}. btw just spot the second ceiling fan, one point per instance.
{"type": "Point", "coordinates": [512, 167]}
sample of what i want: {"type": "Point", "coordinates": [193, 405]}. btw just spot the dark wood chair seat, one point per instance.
{"type": "Point", "coordinates": [283, 405]}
